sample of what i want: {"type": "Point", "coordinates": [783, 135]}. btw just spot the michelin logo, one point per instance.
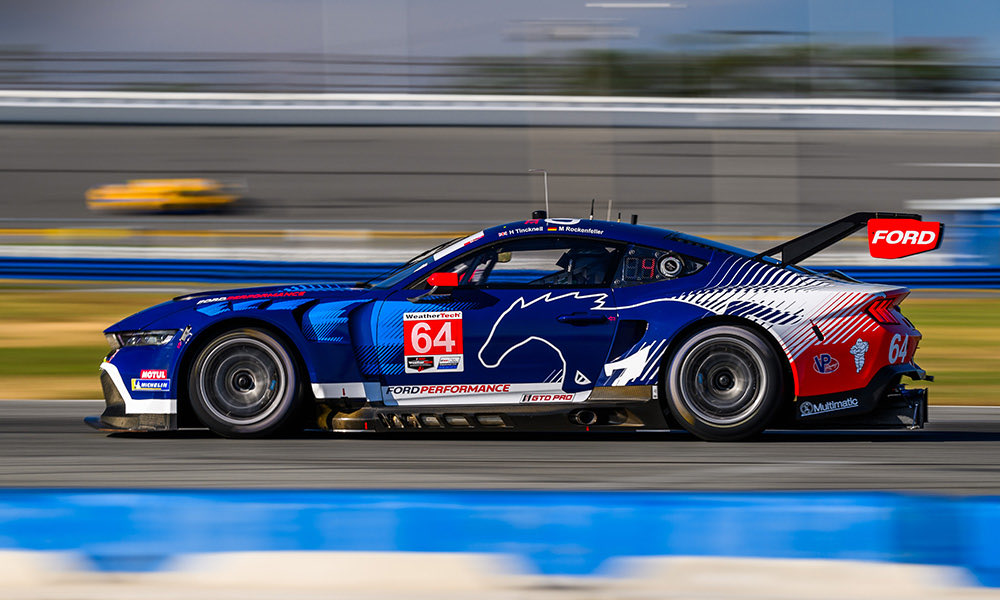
{"type": "Point", "coordinates": [807, 409]}
{"type": "Point", "coordinates": [150, 385]}
{"type": "Point", "coordinates": [858, 350]}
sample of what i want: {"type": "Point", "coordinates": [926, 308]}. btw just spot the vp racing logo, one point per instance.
{"type": "Point", "coordinates": [824, 364]}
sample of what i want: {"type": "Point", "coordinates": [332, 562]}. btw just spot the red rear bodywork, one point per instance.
{"type": "Point", "coordinates": [853, 338]}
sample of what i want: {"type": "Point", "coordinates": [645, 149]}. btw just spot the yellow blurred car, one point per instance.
{"type": "Point", "coordinates": [165, 195]}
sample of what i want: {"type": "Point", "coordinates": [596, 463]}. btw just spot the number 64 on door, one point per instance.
{"type": "Point", "coordinates": [432, 342]}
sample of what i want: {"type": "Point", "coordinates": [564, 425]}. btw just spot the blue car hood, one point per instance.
{"type": "Point", "coordinates": [144, 319]}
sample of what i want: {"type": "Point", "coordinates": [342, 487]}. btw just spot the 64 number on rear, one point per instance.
{"type": "Point", "coordinates": [432, 342]}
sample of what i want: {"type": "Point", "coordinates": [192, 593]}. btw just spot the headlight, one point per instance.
{"type": "Point", "coordinates": [113, 340]}
{"type": "Point", "coordinates": [141, 338]}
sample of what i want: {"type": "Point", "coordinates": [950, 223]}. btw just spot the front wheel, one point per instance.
{"type": "Point", "coordinates": [724, 383]}
{"type": "Point", "coordinates": [243, 383]}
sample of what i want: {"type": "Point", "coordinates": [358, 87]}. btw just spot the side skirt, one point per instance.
{"type": "Point", "coordinates": [589, 416]}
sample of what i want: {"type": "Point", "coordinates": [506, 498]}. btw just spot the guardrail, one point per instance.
{"type": "Point", "coordinates": [21, 106]}
{"type": "Point", "coordinates": [559, 533]}
{"type": "Point", "coordinates": [223, 271]}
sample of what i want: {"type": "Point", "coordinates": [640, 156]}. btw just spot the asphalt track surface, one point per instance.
{"type": "Point", "coordinates": [460, 178]}
{"type": "Point", "coordinates": [46, 444]}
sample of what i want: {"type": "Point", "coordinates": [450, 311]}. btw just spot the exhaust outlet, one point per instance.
{"type": "Point", "coordinates": [583, 417]}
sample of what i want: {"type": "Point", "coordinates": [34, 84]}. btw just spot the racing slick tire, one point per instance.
{"type": "Point", "coordinates": [724, 383]}
{"type": "Point", "coordinates": [243, 383]}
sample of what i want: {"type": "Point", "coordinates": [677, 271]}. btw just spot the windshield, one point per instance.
{"type": "Point", "coordinates": [418, 262]}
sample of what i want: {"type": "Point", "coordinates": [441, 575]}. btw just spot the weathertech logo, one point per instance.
{"type": "Point", "coordinates": [419, 363]}
{"type": "Point", "coordinates": [896, 238]}
{"type": "Point", "coordinates": [808, 408]}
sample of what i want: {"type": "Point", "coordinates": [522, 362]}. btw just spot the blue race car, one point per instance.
{"type": "Point", "coordinates": [546, 324]}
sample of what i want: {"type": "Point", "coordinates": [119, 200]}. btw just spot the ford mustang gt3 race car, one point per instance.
{"type": "Point", "coordinates": [546, 324]}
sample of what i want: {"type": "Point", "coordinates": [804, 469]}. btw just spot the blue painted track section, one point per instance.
{"type": "Point", "coordinates": [223, 271]}
{"type": "Point", "coordinates": [569, 533]}
{"type": "Point", "coordinates": [137, 269]}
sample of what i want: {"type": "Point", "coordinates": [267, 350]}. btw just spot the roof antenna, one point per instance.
{"type": "Point", "coordinates": [609, 209]}
{"type": "Point", "coordinates": [545, 179]}
{"type": "Point", "coordinates": [635, 219]}
{"type": "Point", "coordinates": [619, 216]}
{"type": "Point", "coordinates": [592, 209]}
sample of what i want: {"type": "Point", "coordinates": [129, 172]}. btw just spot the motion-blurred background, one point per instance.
{"type": "Point", "coordinates": [149, 148]}
{"type": "Point", "coordinates": [333, 132]}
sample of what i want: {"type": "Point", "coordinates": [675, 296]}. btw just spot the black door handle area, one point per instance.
{"type": "Point", "coordinates": [583, 319]}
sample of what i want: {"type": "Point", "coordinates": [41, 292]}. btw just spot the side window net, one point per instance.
{"type": "Point", "coordinates": [540, 262]}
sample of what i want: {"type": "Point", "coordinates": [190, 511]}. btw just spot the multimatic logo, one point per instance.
{"type": "Point", "coordinates": [808, 408]}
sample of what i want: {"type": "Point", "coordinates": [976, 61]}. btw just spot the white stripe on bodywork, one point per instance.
{"type": "Point", "coordinates": [786, 303]}
{"type": "Point", "coordinates": [638, 366]}
{"type": "Point", "coordinates": [139, 406]}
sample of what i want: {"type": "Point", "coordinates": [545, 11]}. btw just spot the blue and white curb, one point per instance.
{"type": "Point", "coordinates": [576, 534]}
{"type": "Point", "coordinates": [283, 575]}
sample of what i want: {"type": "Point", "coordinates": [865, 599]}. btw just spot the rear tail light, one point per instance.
{"type": "Point", "coordinates": [883, 310]}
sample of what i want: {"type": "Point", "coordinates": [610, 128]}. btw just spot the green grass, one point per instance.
{"type": "Point", "coordinates": [51, 342]}
{"type": "Point", "coordinates": [960, 348]}
{"type": "Point", "coordinates": [55, 361]}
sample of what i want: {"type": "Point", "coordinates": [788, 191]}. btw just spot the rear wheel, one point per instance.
{"type": "Point", "coordinates": [724, 383]}
{"type": "Point", "coordinates": [243, 383]}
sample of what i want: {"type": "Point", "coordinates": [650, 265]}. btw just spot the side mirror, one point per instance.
{"type": "Point", "coordinates": [435, 281]}
{"type": "Point", "coordinates": [445, 280]}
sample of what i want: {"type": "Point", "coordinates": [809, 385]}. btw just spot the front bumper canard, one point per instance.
{"type": "Point", "coordinates": [118, 417]}
{"type": "Point", "coordinates": [134, 423]}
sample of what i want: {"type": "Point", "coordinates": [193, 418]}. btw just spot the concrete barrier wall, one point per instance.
{"type": "Point", "coordinates": [20, 106]}
{"type": "Point", "coordinates": [550, 533]}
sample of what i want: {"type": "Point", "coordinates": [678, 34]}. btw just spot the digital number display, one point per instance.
{"type": "Point", "coordinates": [640, 268]}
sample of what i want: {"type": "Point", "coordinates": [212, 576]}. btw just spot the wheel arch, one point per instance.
{"type": "Point", "coordinates": [787, 376]}
{"type": "Point", "coordinates": [185, 414]}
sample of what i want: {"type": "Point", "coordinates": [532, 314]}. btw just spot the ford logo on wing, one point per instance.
{"type": "Point", "coordinates": [824, 364]}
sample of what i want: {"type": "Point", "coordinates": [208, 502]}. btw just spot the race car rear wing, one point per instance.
{"type": "Point", "coordinates": [806, 245]}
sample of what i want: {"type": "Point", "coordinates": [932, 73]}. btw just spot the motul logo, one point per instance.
{"type": "Point", "coordinates": [896, 238]}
